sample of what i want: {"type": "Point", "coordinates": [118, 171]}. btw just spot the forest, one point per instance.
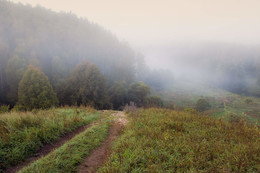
{"type": "Point", "coordinates": [64, 48]}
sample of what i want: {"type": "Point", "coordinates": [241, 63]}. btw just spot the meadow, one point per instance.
{"type": "Point", "coordinates": [224, 105]}
{"type": "Point", "coordinates": [160, 140]}
{"type": "Point", "coordinates": [22, 134]}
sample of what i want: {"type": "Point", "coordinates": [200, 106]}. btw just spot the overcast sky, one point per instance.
{"type": "Point", "coordinates": [147, 24]}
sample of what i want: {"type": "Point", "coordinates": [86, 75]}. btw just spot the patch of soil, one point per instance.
{"type": "Point", "coordinates": [101, 154]}
{"type": "Point", "coordinates": [47, 148]}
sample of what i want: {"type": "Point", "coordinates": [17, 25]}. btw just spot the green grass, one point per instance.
{"type": "Point", "coordinates": [23, 134]}
{"type": "Point", "coordinates": [186, 95]}
{"type": "Point", "coordinates": [71, 154]}
{"type": "Point", "coordinates": [159, 140]}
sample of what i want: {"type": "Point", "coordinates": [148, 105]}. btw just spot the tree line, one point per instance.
{"type": "Point", "coordinates": [85, 86]}
{"type": "Point", "coordinates": [56, 44]}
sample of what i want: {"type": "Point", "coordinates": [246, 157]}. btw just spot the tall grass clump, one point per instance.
{"type": "Point", "coordinates": [22, 134]}
{"type": "Point", "coordinates": [160, 140]}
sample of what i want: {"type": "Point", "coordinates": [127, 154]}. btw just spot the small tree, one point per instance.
{"type": "Point", "coordinates": [118, 94]}
{"type": "Point", "coordinates": [35, 90]}
{"type": "Point", "coordinates": [138, 93]}
{"type": "Point", "coordinates": [202, 105]}
{"type": "Point", "coordinates": [86, 86]}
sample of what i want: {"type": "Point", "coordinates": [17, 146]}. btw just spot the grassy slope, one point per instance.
{"type": "Point", "coordinates": [159, 140]}
{"type": "Point", "coordinates": [22, 134]}
{"type": "Point", "coordinates": [186, 95]}
{"type": "Point", "coordinates": [71, 154]}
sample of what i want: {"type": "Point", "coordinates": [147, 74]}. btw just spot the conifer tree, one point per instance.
{"type": "Point", "coordinates": [35, 90]}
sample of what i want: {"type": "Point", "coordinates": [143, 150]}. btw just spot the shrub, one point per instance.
{"type": "Point", "coordinates": [4, 108]}
{"type": "Point", "coordinates": [202, 105]}
{"type": "Point", "coordinates": [154, 101]}
{"type": "Point", "coordinates": [190, 110]}
{"type": "Point", "coordinates": [18, 108]}
{"type": "Point", "coordinates": [169, 105]}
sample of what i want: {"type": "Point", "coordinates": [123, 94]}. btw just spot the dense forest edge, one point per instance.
{"type": "Point", "coordinates": [61, 58]}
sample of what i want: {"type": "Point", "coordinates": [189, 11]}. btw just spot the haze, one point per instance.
{"type": "Point", "coordinates": [149, 21]}
{"type": "Point", "coordinates": [171, 32]}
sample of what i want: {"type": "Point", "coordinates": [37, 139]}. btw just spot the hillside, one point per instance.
{"type": "Point", "coordinates": [56, 43]}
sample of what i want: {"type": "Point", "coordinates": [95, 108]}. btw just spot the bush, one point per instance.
{"type": "Point", "coordinates": [4, 108]}
{"type": "Point", "coordinates": [190, 110]}
{"type": "Point", "coordinates": [169, 105]}
{"type": "Point", "coordinates": [154, 101]}
{"type": "Point", "coordinates": [202, 105]}
{"type": "Point", "coordinates": [18, 108]}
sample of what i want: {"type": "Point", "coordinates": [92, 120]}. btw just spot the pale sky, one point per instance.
{"type": "Point", "coordinates": [144, 22]}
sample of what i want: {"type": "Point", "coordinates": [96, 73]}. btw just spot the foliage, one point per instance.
{"type": "Point", "coordinates": [67, 158]}
{"type": "Point", "coordinates": [138, 93]}
{"type": "Point", "coordinates": [160, 140]}
{"type": "Point", "coordinates": [154, 101]}
{"type": "Point", "coordinates": [118, 94]}
{"type": "Point", "coordinates": [35, 90]}
{"type": "Point", "coordinates": [4, 108]}
{"type": "Point", "coordinates": [14, 71]}
{"type": "Point", "coordinates": [202, 105]}
{"type": "Point", "coordinates": [190, 110]}
{"type": "Point", "coordinates": [86, 86]}
{"type": "Point", "coordinates": [56, 43]}
{"type": "Point", "coordinates": [23, 134]}
{"type": "Point", "coordinates": [18, 108]}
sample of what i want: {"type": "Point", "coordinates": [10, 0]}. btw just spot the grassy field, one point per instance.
{"type": "Point", "coordinates": [71, 154]}
{"type": "Point", "coordinates": [159, 140]}
{"type": "Point", "coordinates": [224, 104]}
{"type": "Point", "coordinates": [23, 134]}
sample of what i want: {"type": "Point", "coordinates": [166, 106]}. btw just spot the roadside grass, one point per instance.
{"type": "Point", "coordinates": [160, 140]}
{"type": "Point", "coordinates": [72, 153]}
{"type": "Point", "coordinates": [22, 134]}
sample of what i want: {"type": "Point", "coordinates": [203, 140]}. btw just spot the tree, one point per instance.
{"type": "Point", "coordinates": [14, 72]}
{"type": "Point", "coordinates": [202, 105]}
{"type": "Point", "coordinates": [138, 93]}
{"type": "Point", "coordinates": [118, 94]}
{"type": "Point", "coordinates": [154, 101]}
{"type": "Point", "coordinates": [86, 86]}
{"type": "Point", "coordinates": [35, 90]}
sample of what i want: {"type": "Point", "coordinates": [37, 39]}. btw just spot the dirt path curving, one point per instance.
{"type": "Point", "coordinates": [101, 154]}
{"type": "Point", "coordinates": [46, 149]}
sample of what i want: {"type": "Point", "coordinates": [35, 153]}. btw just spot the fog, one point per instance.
{"type": "Point", "coordinates": [149, 26]}
{"type": "Point", "coordinates": [200, 41]}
